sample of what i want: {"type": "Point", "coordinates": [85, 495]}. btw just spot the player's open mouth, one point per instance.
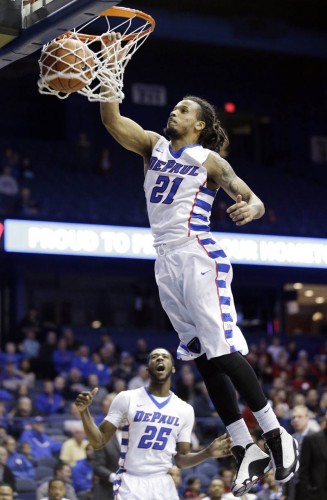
{"type": "Point", "coordinates": [160, 367]}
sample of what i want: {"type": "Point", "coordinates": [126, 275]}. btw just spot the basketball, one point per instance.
{"type": "Point", "coordinates": [67, 65]}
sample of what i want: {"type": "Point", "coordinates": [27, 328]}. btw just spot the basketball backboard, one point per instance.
{"type": "Point", "coordinates": [26, 25]}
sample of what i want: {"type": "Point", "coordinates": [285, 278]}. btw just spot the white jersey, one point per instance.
{"type": "Point", "coordinates": [151, 427]}
{"type": "Point", "coordinates": [178, 200]}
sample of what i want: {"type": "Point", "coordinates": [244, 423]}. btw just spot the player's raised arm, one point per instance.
{"type": "Point", "coordinates": [126, 131]}
{"type": "Point", "coordinates": [248, 205]}
{"type": "Point", "coordinates": [97, 436]}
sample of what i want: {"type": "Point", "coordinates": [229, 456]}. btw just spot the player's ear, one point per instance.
{"type": "Point", "coordinates": [173, 370]}
{"type": "Point", "coordinates": [200, 125]}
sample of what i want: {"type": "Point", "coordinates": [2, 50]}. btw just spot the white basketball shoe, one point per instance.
{"type": "Point", "coordinates": [252, 465]}
{"type": "Point", "coordinates": [283, 449]}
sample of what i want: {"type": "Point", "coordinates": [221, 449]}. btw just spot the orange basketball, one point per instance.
{"type": "Point", "coordinates": [67, 65]}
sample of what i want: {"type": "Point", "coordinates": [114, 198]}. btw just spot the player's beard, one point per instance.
{"type": "Point", "coordinates": [160, 380]}
{"type": "Point", "coordinates": [171, 132]}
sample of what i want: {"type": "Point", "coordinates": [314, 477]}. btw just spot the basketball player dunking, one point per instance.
{"type": "Point", "coordinates": [156, 426]}
{"type": "Point", "coordinates": [182, 177]}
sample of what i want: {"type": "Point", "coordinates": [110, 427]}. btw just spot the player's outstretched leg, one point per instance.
{"type": "Point", "coordinates": [252, 464]}
{"type": "Point", "coordinates": [284, 453]}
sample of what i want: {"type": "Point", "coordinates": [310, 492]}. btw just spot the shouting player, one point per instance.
{"type": "Point", "coordinates": [156, 426]}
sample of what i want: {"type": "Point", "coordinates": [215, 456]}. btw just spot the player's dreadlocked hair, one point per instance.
{"type": "Point", "coordinates": [213, 136]}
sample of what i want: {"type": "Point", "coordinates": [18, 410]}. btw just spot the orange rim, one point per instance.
{"type": "Point", "coordinates": [119, 12]}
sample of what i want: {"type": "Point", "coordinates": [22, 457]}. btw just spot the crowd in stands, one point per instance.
{"type": "Point", "coordinates": [45, 180]}
{"type": "Point", "coordinates": [43, 370]}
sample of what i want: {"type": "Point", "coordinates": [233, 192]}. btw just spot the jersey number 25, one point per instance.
{"type": "Point", "coordinates": [154, 438]}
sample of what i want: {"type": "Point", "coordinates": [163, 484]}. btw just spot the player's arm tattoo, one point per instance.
{"type": "Point", "coordinates": [232, 183]}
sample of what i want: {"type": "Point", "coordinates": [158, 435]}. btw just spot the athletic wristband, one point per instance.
{"type": "Point", "coordinates": [111, 477]}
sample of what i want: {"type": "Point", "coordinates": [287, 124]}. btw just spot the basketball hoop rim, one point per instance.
{"type": "Point", "coordinates": [118, 12]}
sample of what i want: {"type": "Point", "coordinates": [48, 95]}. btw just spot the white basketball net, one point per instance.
{"type": "Point", "coordinates": [104, 80]}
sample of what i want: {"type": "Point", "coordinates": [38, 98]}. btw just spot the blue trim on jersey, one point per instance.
{"type": "Point", "coordinates": [225, 301]}
{"type": "Point", "coordinates": [184, 347]}
{"type": "Point", "coordinates": [196, 227]}
{"type": "Point", "coordinates": [208, 241]}
{"type": "Point", "coordinates": [203, 204]}
{"type": "Point", "coordinates": [221, 283]}
{"type": "Point", "coordinates": [219, 253]}
{"type": "Point", "coordinates": [228, 334]}
{"type": "Point", "coordinates": [227, 318]}
{"type": "Point", "coordinates": [158, 405]}
{"type": "Point", "coordinates": [223, 268]}
{"type": "Point", "coordinates": [208, 191]}
{"type": "Point", "coordinates": [200, 216]}
{"type": "Point", "coordinates": [124, 441]}
{"type": "Point", "coordinates": [125, 428]}
{"type": "Point", "coordinates": [178, 153]}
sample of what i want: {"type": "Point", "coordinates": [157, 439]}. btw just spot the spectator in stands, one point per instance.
{"type": "Point", "coordinates": [74, 384]}
{"type": "Point", "coordinates": [301, 380]}
{"type": "Point", "coordinates": [67, 333]}
{"type": "Point", "coordinates": [141, 351]}
{"type": "Point", "coordinates": [26, 205]}
{"type": "Point", "coordinates": [18, 463]}
{"type": "Point", "coordinates": [21, 415]}
{"type": "Point", "coordinates": [312, 401]}
{"type": "Point", "coordinates": [30, 346]}
{"type": "Point", "coordinates": [301, 424]}
{"type": "Point", "coordinates": [109, 354]}
{"type": "Point", "coordinates": [62, 472]}
{"type": "Point", "coordinates": [25, 449]}
{"type": "Point", "coordinates": [72, 420]}
{"type": "Point", "coordinates": [73, 449]}
{"type": "Point", "coordinates": [126, 368]}
{"type": "Point", "coordinates": [102, 370]}
{"type": "Point", "coordinates": [4, 419]}
{"type": "Point", "coordinates": [6, 474]}
{"type": "Point", "coordinates": [26, 171]}
{"type": "Point", "coordinates": [10, 353]}
{"type": "Point", "coordinates": [56, 490]}
{"type": "Point", "coordinates": [12, 159]}
{"type": "Point", "coordinates": [28, 376]}
{"type": "Point", "coordinates": [119, 385]}
{"type": "Point", "coordinates": [82, 474]}
{"type": "Point", "coordinates": [49, 402]}
{"type": "Point", "coordinates": [226, 475]}
{"type": "Point", "coordinates": [312, 477]}
{"type": "Point", "coordinates": [193, 488]}
{"type": "Point", "coordinates": [8, 183]}
{"type": "Point", "coordinates": [45, 366]}
{"type": "Point", "coordinates": [92, 383]}
{"type": "Point", "coordinates": [11, 378]}
{"type": "Point", "coordinates": [6, 492]}
{"type": "Point", "coordinates": [185, 384]}
{"type": "Point", "coordinates": [216, 491]}
{"type": "Point", "coordinates": [105, 405]}
{"type": "Point", "coordinates": [62, 358]}
{"type": "Point", "coordinates": [81, 360]}
{"type": "Point", "coordinates": [30, 319]}
{"type": "Point", "coordinates": [141, 379]}
{"type": "Point", "coordinates": [275, 348]}
{"type": "Point", "coordinates": [42, 445]}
